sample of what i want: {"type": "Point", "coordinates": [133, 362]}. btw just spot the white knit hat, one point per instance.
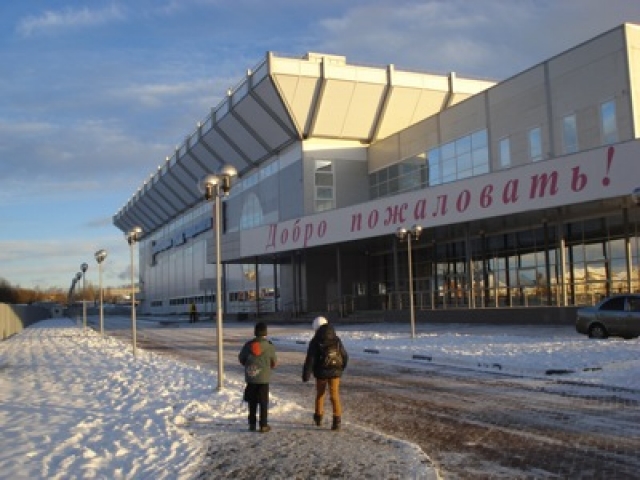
{"type": "Point", "coordinates": [318, 322]}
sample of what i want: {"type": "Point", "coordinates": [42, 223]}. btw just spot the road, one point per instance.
{"type": "Point", "coordinates": [473, 425]}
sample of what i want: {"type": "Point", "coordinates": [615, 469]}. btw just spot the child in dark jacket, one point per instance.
{"type": "Point", "coordinates": [258, 357]}
{"type": "Point", "coordinates": [326, 359]}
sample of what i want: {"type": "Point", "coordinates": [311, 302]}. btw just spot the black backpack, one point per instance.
{"type": "Point", "coordinates": [331, 357]}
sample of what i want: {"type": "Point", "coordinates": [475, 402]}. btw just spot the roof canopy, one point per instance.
{"type": "Point", "coordinates": [283, 101]}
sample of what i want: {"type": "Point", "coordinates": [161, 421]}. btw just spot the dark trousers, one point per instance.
{"type": "Point", "coordinates": [258, 394]}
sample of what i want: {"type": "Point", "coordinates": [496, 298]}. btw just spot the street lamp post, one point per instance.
{"type": "Point", "coordinates": [402, 234]}
{"type": "Point", "coordinates": [84, 268]}
{"type": "Point", "coordinates": [100, 256]}
{"type": "Point", "coordinates": [215, 187]}
{"type": "Point", "coordinates": [70, 295]}
{"type": "Point", "coordinates": [78, 278]}
{"type": "Point", "coordinates": [132, 237]}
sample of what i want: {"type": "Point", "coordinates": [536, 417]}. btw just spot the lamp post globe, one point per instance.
{"type": "Point", "coordinates": [227, 174]}
{"type": "Point", "coordinates": [208, 185]}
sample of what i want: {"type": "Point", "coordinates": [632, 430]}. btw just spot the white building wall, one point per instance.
{"type": "Point", "coordinates": [633, 44]}
{"type": "Point", "coordinates": [583, 78]}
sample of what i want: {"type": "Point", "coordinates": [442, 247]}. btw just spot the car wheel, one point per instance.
{"type": "Point", "coordinates": [597, 331]}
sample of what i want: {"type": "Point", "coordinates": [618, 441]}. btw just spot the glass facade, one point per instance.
{"type": "Point", "coordinates": [523, 268]}
{"type": "Point", "coordinates": [464, 157]}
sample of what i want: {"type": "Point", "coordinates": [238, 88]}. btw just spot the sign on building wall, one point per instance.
{"type": "Point", "coordinates": [601, 173]}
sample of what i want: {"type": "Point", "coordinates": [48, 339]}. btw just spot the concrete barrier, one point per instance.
{"type": "Point", "coordinates": [15, 318]}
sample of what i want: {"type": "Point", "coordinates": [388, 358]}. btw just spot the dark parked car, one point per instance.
{"type": "Point", "coordinates": [617, 316]}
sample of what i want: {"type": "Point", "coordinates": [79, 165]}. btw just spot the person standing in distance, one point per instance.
{"type": "Point", "coordinates": [326, 359]}
{"type": "Point", "coordinates": [193, 313]}
{"type": "Point", "coordinates": [258, 356]}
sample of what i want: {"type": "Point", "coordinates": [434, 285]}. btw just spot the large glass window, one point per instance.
{"type": "Point", "coordinates": [324, 186]}
{"type": "Point", "coordinates": [464, 157]}
{"type": "Point", "coordinates": [608, 122]}
{"type": "Point", "coordinates": [535, 144]}
{"type": "Point", "coordinates": [569, 134]}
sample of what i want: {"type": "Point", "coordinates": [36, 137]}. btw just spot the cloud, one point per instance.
{"type": "Point", "coordinates": [160, 94]}
{"type": "Point", "coordinates": [489, 39]}
{"type": "Point", "coordinates": [69, 18]}
{"type": "Point", "coordinates": [43, 263]}
{"type": "Point", "coordinates": [81, 149]}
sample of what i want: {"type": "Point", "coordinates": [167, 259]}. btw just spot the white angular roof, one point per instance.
{"type": "Point", "coordinates": [283, 101]}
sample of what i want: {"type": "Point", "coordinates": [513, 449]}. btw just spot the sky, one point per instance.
{"type": "Point", "coordinates": [74, 405]}
{"type": "Point", "coordinates": [95, 95]}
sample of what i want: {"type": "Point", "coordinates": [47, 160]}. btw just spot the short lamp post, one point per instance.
{"type": "Point", "coordinates": [84, 268]}
{"type": "Point", "coordinates": [100, 256]}
{"type": "Point", "coordinates": [78, 278]}
{"type": "Point", "coordinates": [215, 187]}
{"type": "Point", "coordinates": [132, 237]}
{"type": "Point", "coordinates": [402, 234]}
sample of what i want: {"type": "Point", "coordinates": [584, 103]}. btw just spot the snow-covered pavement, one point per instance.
{"type": "Point", "coordinates": [74, 405]}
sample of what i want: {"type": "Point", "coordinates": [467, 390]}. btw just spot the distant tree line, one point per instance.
{"type": "Point", "coordinates": [18, 295]}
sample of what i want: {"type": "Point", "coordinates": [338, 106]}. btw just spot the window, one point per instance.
{"type": "Point", "coordinates": [480, 152]}
{"type": "Point", "coordinates": [252, 215]}
{"type": "Point", "coordinates": [535, 144]}
{"type": "Point", "coordinates": [569, 134]}
{"type": "Point", "coordinates": [463, 157]}
{"type": "Point", "coordinates": [435, 175]}
{"type": "Point", "coordinates": [608, 122]}
{"type": "Point", "coordinates": [324, 190]}
{"type": "Point", "coordinates": [504, 147]}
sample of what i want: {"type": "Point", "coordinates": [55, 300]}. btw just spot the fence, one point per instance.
{"type": "Point", "coordinates": [14, 318]}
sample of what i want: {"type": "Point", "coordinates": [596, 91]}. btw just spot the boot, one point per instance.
{"type": "Point", "coordinates": [336, 423]}
{"type": "Point", "coordinates": [317, 419]}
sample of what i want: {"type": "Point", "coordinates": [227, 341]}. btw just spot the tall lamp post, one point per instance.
{"type": "Point", "coordinates": [100, 256]}
{"type": "Point", "coordinates": [215, 187]}
{"type": "Point", "coordinates": [402, 234]}
{"type": "Point", "coordinates": [132, 237]}
{"type": "Point", "coordinates": [84, 268]}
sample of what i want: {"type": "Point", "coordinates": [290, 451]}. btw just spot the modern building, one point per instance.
{"type": "Point", "coordinates": [521, 190]}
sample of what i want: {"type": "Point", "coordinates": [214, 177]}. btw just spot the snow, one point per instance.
{"type": "Point", "coordinates": [74, 405]}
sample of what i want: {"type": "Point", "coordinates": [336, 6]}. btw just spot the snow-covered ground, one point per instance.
{"type": "Point", "coordinates": [538, 351]}
{"type": "Point", "coordinates": [74, 405]}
